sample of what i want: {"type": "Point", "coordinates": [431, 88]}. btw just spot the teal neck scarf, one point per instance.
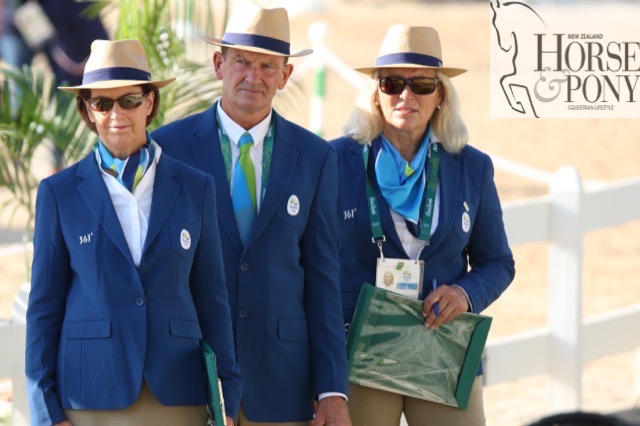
{"type": "Point", "coordinates": [402, 183]}
{"type": "Point", "coordinates": [129, 171]}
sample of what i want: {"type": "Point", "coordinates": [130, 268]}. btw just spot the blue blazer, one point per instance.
{"type": "Point", "coordinates": [97, 325]}
{"type": "Point", "coordinates": [480, 260]}
{"type": "Point", "coordinates": [283, 287]}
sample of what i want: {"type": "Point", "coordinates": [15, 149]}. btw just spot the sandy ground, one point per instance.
{"type": "Point", "coordinates": [354, 32]}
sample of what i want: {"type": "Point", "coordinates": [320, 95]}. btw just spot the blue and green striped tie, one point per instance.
{"type": "Point", "coordinates": [243, 192]}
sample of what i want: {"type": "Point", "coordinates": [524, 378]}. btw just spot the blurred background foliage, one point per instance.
{"type": "Point", "coordinates": [44, 126]}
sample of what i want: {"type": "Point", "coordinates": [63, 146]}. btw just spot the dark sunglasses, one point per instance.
{"type": "Point", "coordinates": [131, 101]}
{"type": "Point", "coordinates": [418, 85]}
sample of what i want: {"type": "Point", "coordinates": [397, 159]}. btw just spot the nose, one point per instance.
{"type": "Point", "coordinates": [406, 92]}
{"type": "Point", "coordinates": [116, 109]}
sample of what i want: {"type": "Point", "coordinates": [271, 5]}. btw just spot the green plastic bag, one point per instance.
{"type": "Point", "coordinates": [389, 348]}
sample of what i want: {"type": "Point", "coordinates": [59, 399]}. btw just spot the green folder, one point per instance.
{"type": "Point", "coordinates": [215, 407]}
{"type": "Point", "coordinates": [389, 348]}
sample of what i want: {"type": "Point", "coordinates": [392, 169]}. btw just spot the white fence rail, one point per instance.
{"type": "Point", "coordinates": [561, 349]}
{"type": "Point", "coordinates": [561, 219]}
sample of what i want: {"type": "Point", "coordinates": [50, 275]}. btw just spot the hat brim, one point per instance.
{"type": "Point", "coordinates": [112, 84]}
{"type": "Point", "coordinates": [448, 71]}
{"type": "Point", "coordinates": [221, 43]}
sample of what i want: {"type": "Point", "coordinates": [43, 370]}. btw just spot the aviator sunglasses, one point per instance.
{"type": "Point", "coordinates": [131, 101]}
{"type": "Point", "coordinates": [418, 85]}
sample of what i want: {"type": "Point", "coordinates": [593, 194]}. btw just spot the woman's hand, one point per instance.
{"type": "Point", "coordinates": [448, 300]}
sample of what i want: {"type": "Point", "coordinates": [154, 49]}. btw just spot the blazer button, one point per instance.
{"type": "Point", "coordinates": [139, 301]}
{"type": "Point", "coordinates": [243, 313]}
{"type": "Point", "coordinates": [244, 267]}
{"type": "Point", "coordinates": [347, 327]}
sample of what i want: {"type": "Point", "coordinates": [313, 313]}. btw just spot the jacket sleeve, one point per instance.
{"type": "Point", "coordinates": [45, 312]}
{"type": "Point", "coordinates": [210, 295]}
{"type": "Point", "coordinates": [322, 289]}
{"type": "Point", "coordinates": [490, 258]}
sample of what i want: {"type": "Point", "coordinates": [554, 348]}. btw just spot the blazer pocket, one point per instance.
{"type": "Point", "coordinates": [91, 329]}
{"type": "Point", "coordinates": [185, 328]}
{"type": "Point", "coordinates": [293, 329]}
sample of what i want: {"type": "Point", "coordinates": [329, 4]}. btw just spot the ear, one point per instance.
{"type": "Point", "coordinates": [90, 114]}
{"type": "Point", "coordinates": [218, 59]}
{"type": "Point", "coordinates": [440, 92]}
{"type": "Point", "coordinates": [286, 73]}
{"type": "Point", "coordinates": [152, 99]}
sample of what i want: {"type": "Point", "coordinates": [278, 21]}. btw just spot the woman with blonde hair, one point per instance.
{"type": "Point", "coordinates": [413, 187]}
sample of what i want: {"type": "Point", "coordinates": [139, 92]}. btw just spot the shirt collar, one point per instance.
{"type": "Point", "coordinates": [157, 151]}
{"type": "Point", "coordinates": [234, 131]}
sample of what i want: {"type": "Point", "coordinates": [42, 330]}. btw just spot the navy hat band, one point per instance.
{"type": "Point", "coordinates": [408, 58]}
{"type": "Point", "coordinates": [259, 41]}
{"type": "Point", "coordinates": [115, 73]}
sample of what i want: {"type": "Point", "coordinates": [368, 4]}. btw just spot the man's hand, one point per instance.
{"type": "Point", "coordinates": [230, 422]}
{"type": "Point", "coordinates": [332, 411]}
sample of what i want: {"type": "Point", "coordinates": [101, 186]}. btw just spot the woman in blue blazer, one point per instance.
{"type": "Point", "coordinates": [406, 165]}
{"type": "Point", "coordinates": [127, 272]}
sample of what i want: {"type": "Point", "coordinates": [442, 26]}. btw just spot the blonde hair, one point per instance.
{"type": "Point", "coordinates": [366, 121]}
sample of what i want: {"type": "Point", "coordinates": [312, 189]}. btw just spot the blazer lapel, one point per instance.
{"type": "Point", "coordinates": [388, 227]}
{"type": "Point", "coordinates": [449, 178]}
{"type": "Point", "coordinates": [356, 164]}
{"type": "Point", "coordinates": [165, 193]}
{"type": "Point", "coordinates": [283, 164]}
{"type": "Point", "coordinates": [208, 157]}
{"type": "Point", "coordinates": [95, 195]}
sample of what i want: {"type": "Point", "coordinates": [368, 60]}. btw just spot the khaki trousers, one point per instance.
{"type": "Point", "coordinates": [372, 407]}
{"type": "Point", "coordinates": [242, 421]}
{"type": "Point", "coordinates": [145, 411]}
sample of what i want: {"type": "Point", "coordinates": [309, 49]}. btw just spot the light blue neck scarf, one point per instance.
{"type": "Point", "coordinates": [402, 183]}
{"type": "Point", "coordinates": [129, 171]}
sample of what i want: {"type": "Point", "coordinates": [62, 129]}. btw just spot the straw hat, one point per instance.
{"type": "Point", "coordinates": [260, 30]}
{"type": "Point", "coordinates": [411, 47]}
{"type": "Point", "coordinates": [116, 63]}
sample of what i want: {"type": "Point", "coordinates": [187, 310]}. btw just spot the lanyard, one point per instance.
{"type": "Point", "coordinates": [267, 150]}
{"type": "Point", "coordinates": [430, 191]}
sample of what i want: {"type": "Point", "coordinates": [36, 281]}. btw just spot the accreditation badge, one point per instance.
{"type": "Point", "coordinates": [402, 276]}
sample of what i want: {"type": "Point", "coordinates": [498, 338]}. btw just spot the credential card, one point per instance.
{"type": "Point", "coordinates": [403, 276]}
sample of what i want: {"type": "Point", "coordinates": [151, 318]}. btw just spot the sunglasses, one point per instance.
{"type": "Point", "coordinates": [131, 101]}
{"type": "Point", "coordinates": [418, 85]}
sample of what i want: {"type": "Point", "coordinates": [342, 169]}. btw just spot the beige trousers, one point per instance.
{"type": "Point", "coordinates": [372, 407]}
{"type": "Point", "coordinates": [145, 411]}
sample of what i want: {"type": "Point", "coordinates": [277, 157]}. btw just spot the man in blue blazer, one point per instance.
{"type": "Point", "coordinates": [282, 273]}
{"type": "Point", "coordinates": [127, 274]}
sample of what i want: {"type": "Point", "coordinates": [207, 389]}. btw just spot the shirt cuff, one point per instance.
{"type": "Point", "coordinates": [326, 394]}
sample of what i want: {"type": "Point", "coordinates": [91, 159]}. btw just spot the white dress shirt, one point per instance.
{"type": "Point", "coordinates": [133, 210]}
{"type": "Point", "coordinates": [411, 245]}
{"type": "Point", "coordinates": [258, 133]}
